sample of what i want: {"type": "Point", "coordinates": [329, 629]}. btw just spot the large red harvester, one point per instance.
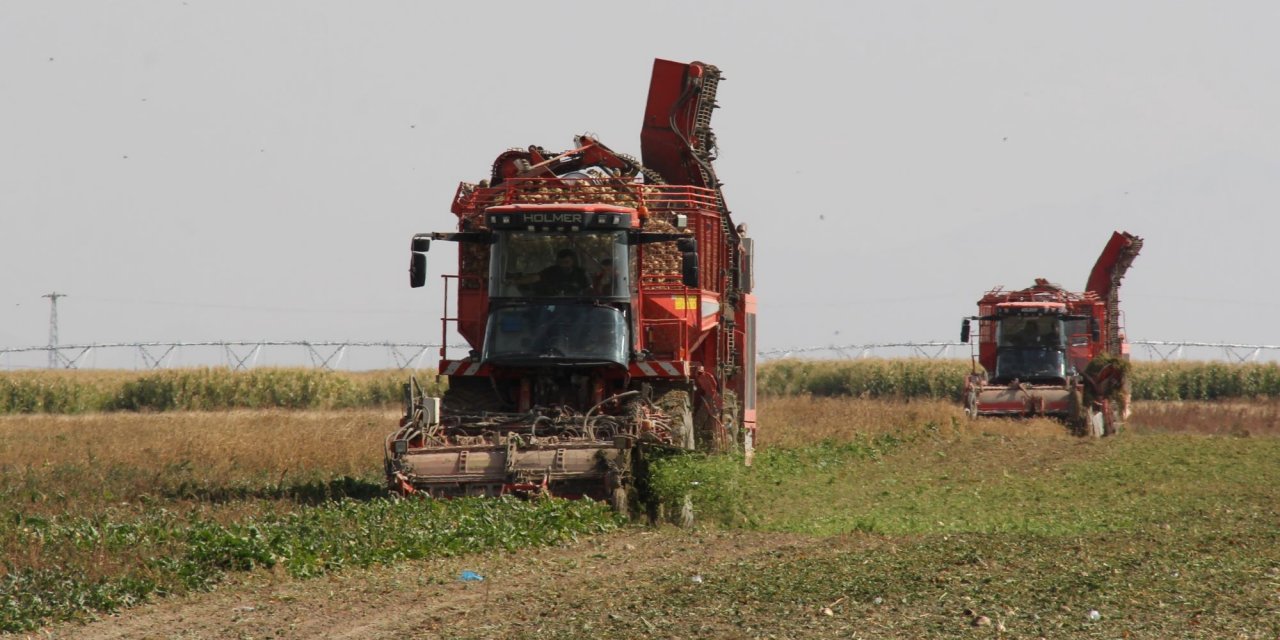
{"type": "Point", "coordinates": [1046, 351]}
{"type": "Point", "coordinates": [608, 307]}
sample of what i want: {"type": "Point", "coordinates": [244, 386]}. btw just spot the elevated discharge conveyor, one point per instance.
{"type": "Point", "coordinates": [1104, 281]}
{"type": "Point", "coordinates": [676, 140]}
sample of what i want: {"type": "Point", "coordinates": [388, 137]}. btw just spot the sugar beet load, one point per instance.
{"type": "Point", "coordinates": [607, 303]}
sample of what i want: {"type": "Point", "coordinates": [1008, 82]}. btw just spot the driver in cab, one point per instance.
{"type": "Point", "coordinates": [563, 278]}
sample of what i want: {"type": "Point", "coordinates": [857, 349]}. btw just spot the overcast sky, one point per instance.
{"type": "Point", "coordinates": [199, 170]}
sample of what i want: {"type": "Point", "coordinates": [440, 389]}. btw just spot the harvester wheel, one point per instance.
{"type": "Point", "coordinates": [676, 404]}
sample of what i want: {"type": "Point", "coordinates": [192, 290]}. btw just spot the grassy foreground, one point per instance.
{"type": "Point", "coordinates": [901, 518]}
{"type": "Point", "coordinates": [104, 511]}
{"type": "Point", "coordinates": [996, 528]}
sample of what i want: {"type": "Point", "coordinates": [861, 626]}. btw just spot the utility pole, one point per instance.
{"type": "Point", "coordinates": [53, 326]}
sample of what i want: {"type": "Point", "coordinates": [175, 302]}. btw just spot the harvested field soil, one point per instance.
{"type": "Point", "coordinates": [860, 519]}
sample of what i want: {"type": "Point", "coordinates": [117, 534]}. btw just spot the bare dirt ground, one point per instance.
{"type": "Point", "coordinates": [427, 599]}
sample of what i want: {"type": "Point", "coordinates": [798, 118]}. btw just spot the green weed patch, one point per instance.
{"type": "Point", "coordinates": [162, 553]}
{"type": "Point", "coordinates": [722, 490]}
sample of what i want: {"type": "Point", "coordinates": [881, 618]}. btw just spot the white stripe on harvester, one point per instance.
{"type": "Point", "coordinates": [669, 368]}
{"type": "Point", "coordinates": [644, 367]}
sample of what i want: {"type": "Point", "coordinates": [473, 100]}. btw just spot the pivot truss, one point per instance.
{"type": "Point", "coordinates": [236, 355]}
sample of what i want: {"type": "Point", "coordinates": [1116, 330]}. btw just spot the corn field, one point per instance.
{"type": "Point", "coordinates": [944, 379]}
{"type": "Point", "coordinates": [221, 389]}
{"type": "Point", "coordinates": [866, 378]}
{"type": "Point", "coordinates": [200, 390]}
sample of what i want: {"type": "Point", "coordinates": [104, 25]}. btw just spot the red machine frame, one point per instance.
{"type": "Point", "coordinates": [690, 341]}
{"type": "Point", "coordinates": [1086, 397]}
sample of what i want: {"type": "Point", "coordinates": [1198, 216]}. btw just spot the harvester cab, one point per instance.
{"type": "Point", "coordinates": [560, 284]}
{"type": "Point", "coordinates": [1037, 342]}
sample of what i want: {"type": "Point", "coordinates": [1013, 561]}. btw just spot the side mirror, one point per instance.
{"type": "Point", "coordinates": [417, 269]}
{"type": "Point", "coordinates": [689, 269]}
{"type": "Point", "coordinates": [964, 330]}
{"type": "Point", "coordinates": [1095, 330]}
{"type": "Point", "coordinates": [420, 243]}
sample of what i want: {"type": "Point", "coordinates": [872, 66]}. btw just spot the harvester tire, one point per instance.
{"type": "Point", "coordinates": [675, 403]}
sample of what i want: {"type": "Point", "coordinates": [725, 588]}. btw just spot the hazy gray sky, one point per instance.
{"type": "Point", "coordinates": [198, 170]}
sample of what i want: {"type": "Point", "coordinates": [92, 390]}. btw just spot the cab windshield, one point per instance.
{"type": "Point", "coordinates": [573, 333]}
{"type": "Point", "coordinates": [1031, 349]}
{"type": "Point", "coordinates": [560, 264]}
{"type": "Point", "coordinates": [1030, 364]}
{"type": "Point", "coordinates": [1030, 331]}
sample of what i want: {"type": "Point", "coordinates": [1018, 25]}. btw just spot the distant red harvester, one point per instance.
{"type": "Point", "coordinates": [609, 311]}
{"type": "Point", "coordinates": [1047, 351]}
